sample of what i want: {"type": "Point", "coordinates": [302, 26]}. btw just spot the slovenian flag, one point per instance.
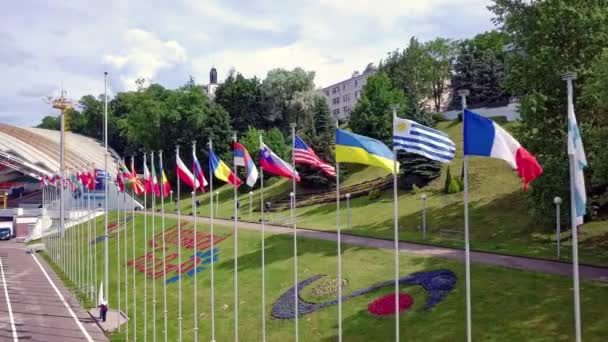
{"type": "Point", "coordinates": [221, 170]}
{"type": "Point", "coordinates": [270, 162]}
{"type": "Point", "coordinates": [242, 158]}
{"type": "Point", "coordinates": [483, 137]}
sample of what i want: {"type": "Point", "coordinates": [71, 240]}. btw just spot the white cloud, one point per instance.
{"type": "Point", "coordinates": [145, 56]}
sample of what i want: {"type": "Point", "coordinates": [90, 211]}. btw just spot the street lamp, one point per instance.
{"type": "Point", "coordinates": [423, 197]}
{"type": "Point", "coordinates": [348, 210]}
{"type": "Point", "coordinates": [250, 207]}
{"type": "Point", "coordinates": [171, 196]}
{"type": "Point", "coordinates": [291, 201]}
{"type": "Point", "coordinates": [557, 201]}
{"type": "Point", "coordinates": [217, 202]}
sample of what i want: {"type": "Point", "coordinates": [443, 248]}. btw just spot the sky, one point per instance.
{"type": "Point", "coordinates": [46, 44]}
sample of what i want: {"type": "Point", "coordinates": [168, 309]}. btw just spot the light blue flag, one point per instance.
{"type": "Point", "coordinates": [575, 149]}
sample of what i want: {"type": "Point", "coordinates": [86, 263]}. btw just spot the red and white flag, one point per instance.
{"type": "Point", "coordinates": [186, 175]}
{"type": "Point", "coordinates": [303, 154]}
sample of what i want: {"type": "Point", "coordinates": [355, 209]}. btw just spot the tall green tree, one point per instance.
{"type": "Point", "coordinates": [441, 52]}
{"type": "Point", "coordinates": [549, 38]}
{"type": "Point", "coordinates": [50, 122]}
{"type": "Point", "coordinates": [244, 101]}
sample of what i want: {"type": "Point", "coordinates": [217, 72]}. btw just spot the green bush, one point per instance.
{"type": "Point", "coordinates": [454, 187]}
{"type": "Point", "coordinates": [438, 117]}
{"type": "Point", "coordinates": [373, 194]}
{"type": "Point", "coordinates": [448, 181]}
{"type": "Point", "coordinates": [415, 189]}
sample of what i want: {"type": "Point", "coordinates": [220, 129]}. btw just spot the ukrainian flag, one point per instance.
{"type": "Point", "coordinates": [355, 148]}
{"type": "Point", "coordinates": [221, 170]}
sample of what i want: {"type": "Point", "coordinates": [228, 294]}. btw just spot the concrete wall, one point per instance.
{"type": "Point", "coordinates": [511, 112]}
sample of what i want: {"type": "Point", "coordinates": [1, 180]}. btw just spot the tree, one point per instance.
{"type": "Point", "coordinates": [372, 116]}
{"type": "Point", "coordinates": [480, 67]}
{"type": "Point", "coordinates": [279, 88]}
{"type": "Point", "coordinates": [50, 122]}
{"type": "Point", "coordinates": [243, 99]}
{"type": "Point", "coordinates": [92, 112]}
{"type": "Point", "coordinates": [442, 53]}
{"type": "Point", "coordinates": [549, 38]}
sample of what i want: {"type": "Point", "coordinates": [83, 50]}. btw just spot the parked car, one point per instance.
{"type": "Point", "coordinates": [5, 233]}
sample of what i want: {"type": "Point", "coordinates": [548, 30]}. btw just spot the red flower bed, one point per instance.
{"type": "Point", "coordinates": [385, 305]}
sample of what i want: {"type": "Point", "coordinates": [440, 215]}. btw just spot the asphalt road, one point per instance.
{"type": "Point", "coordinates": [34, 305]}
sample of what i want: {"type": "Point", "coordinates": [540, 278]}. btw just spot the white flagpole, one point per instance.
{"type": "Point", "coordinates": [212, 247]}
{"type": "Point", "coordinates": [133, 256]}
{"type": "Point", "coordinates": [236, 255]}
{"type": "Point", "coordinates": [153, 252]}
{"type": "Point", "coordinates": [339, 249]}
{"type": "Point", "coordinates": [569, 77]}
{"type": "Point", "coordinates": [467, 251]}
{"type": "Point", "coordinates": [90, 283]}
{"type": "Point", "coordinates": [263, 251]}
{"type": "Point", "coordinates": [126, 257]}
{"type": "Point", "coordinates": [194, 214]}
{"type": "Point", "coordinates": [106, 272]}
{"type": "Point", "coordinates": [179, 255]}
{"type": "Point", "coordinates": [162, 214]}
{"type": "Point", "coordinates": [79, 228]}
{"type": "Point", "coordinates": [118, 252]}
{"type": "Point", "coordinates": [146, 258]}
{"type": "Point", "coordinates": [95, 294]}
{"type": "Point", "coordinates": [396, 232]}
{"type": "Point", "coordinates": [295, 229]}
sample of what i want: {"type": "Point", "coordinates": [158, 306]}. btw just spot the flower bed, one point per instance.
{"type": "Point", "coordinates": [385, 305]}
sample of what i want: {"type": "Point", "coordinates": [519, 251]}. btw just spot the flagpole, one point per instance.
{"type": "Point", "coordinates": [339, 249]}
{"type": "Point", "coordinates": [212, 252]}
{"type": "Point", "coordinates": [569, 77]}
{"type": "Point", "coordinates": [153, 249]}
{"type": "Point", "coordinates": [195, 256]}
{"type": "Point", "coordinates": [133, 255]}
{"type": "Point", "coordinates": [118, 252]}
{"type": "Point", "coordinates": [263, 251]}
{"type": "Point", "coordinates": [396, 231]}
{"type": "Point", "coordinates": [89, 256]}
{"type": "Point", "coordinates": [146, 256]}
{"type": "Point", "coordinates": [295, 229]}
{"type": "Point", "coordinates": [106, 271]}
{"type": "Point", "coordinates": [162, 214]}
{"type": "Point", "coordinates": [179, 256]}
{"type": "Point", "coordinates": [236, 255]}
{"type": "Point", "coordinates": [126, 255]}
{"type": "Point", "coordinates": [463, 93]}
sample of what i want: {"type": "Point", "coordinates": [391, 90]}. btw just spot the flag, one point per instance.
{"type": "Point", "coordinates": [303, 154]}
{"type": "Point", "coordinates": [100, 176]}
{"type": "Point", "coordinates": [577, 152]}
{"type": "Point", "coordinates": [483, 137]}
{"type": "Point", "coordinates": [270, 162]}
{"type": "Point", "coordinates": [185, 175]}
{"type": "Point", "coordinates": [200, 176]}
{"type": "Point", "coordinates": [221, 170]}
{"type": "Point", "coordinates": [164, 182]}
{"type": "Point", "coordinates": [43, 182]}
{"type": "Point", "coordinates": [413, 137]}
{"type": "Point", "coordinates": [125, 171]}
{"type": "Point", "coordinates": [148, 186]}
{"type": "Point", "coordinates": [136, 186]}
{"type": "Point", "coordinates": [355, 148]}
{"type": "Point", "coordinates": [91, 177]}
{"type": "Point", "coordinates": [120, 180]}
{"type": "Point", "coordinates": [242, 158]}
{"type": "Point", "coordinates": [155, 186]}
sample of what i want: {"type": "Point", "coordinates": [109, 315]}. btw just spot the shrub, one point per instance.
{"type": "Point", "coordinates": [415, 189]}
{"type": "Point", "coordinates": [373, 194]}
{"type": "Point", "coordinates": [454, 187]}
{"type": "Point", "coordinates": [448, 181]}
{"type": "Point", "coordinates": [438, 117]}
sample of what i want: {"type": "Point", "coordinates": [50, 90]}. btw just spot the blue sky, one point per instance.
{"type": "Point", "coordinates": [45, 43]}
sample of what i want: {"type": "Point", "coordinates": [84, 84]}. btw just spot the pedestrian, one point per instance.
{"type": "Point", "coordinates": [103, 310]}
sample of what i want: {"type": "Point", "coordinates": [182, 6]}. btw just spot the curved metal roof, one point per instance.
{"type": "Point", "coordinates": [35, 151]}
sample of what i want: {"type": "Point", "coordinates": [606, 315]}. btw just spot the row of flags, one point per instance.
{"type": "Point", "coordinates": [89, 180]}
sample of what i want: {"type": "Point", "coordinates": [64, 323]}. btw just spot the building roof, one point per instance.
{"type": "Point", "coordinates": [35, 151]}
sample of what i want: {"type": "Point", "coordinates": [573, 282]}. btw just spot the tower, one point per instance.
{"type": "Point", "coordinates": [213, 76]}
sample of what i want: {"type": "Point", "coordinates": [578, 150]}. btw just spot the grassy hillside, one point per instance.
{"type": "Point", "coordinates": [508, 305]}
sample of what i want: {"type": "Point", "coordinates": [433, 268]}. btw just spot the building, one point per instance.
{"type": "Point", "coordinates": [212, 86]}
{"type": "Point", "coordinates": [344, 95]}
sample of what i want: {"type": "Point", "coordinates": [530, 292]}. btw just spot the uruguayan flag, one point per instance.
{"type": "Point", "coordinates": [576, 151]}
{"type": "Point", "coordinates": [412, 137]}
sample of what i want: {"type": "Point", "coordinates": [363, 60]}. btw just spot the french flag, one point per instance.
{"type": "Point", "coordinates": [270, 162]}
{"type": "Point", "coordinates": [242, 158]}
{"type": "Point", "coordinates": [483, 137]}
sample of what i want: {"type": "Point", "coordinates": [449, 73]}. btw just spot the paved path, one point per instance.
{"type": "Point", "coordinates": [34, 305]}
{"type": "Point", "coordinates": [522, 263]}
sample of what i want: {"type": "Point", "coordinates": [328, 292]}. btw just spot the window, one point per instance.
{"type": "Point", "coordinates": [356, 82]}
{"type": "Point", "coordinates": [357, 94]}
{"type": "Point", "coordinates": [344, 86]}
{"type": "Point", "coordinates": [336, 100]}
{"type": "Point", "coordinates": [346, 110]}
{"type": "Point", "coordinates": [335, 90]}
{"type": "Point", "coordinates": [346, 98]}
{"type": "Point", "coordinates": [326, 92]}
{"type": "Point", "coordinates": [336, 111]}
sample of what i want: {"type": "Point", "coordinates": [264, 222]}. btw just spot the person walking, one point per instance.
{"type": "Point", "coordinates": [103, 311]}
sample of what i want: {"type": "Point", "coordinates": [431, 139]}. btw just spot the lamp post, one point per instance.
{"type": "Point", "coordinates": [250, 207]}
{"type": "Point", "coordinates": [558, 202]}
{"type": "Point", "coordinates": [347, 210]}
{"type": "Point", "coordinates": [217, 202]}
{"type": "Point", "coordinates": [291, 200]}
{"type": "Point", "coordinates": [170, 196]}
{"type": "Point", "coordinates": [423, 197]}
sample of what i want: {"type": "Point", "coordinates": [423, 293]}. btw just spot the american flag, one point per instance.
{"type": "Point", "coordinates": [303, 154]}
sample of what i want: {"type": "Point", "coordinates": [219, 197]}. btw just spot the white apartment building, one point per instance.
{"type": "Point", "coordinates": [344, 95]}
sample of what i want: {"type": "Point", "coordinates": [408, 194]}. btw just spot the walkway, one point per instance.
{"type": "Point", "coordinates": [529, 264]}
{"type": "Point", "coordinates": [34, 305]}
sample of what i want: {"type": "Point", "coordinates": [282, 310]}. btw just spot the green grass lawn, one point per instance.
{"type": "Point", "coordinates": [508, 305]}
{"type": "Point", "coordinates": [499, 219]}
